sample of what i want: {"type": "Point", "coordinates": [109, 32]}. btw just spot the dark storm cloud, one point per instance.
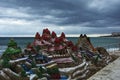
{"type": "Point", "coordinates": [73, 11]}
{"type": "Point", "coordinates": [69, 12]}
{"type": "Point", "coordinates": [87, 14]}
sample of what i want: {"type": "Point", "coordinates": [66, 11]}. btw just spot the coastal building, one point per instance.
{"type": "Point", "coordinates": [115, 33]}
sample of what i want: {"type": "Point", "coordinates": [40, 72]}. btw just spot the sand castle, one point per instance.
{"type": "Point", "coordinates": [98, 54]}
{"type": "Point", "coordinates": [52, 57]}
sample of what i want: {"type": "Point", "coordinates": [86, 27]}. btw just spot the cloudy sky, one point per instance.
{"type": "Point", "coordinates": [26, 17]}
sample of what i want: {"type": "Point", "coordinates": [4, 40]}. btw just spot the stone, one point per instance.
{"type": "Point", "coordinates": [18, 68]}
{"type": "Point", "coordinates": [28, 65]}
{"type": "Point", "coordinates": [33, 77]}
{"type": "Point", "coordinates": [102, 51]}
{"type": "Point", "coordinates": [11, 74]}
{"type": "Point", "coordinates": [4, 76]}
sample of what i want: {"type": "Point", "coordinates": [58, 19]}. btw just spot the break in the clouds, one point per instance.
{"type": "Point", "coordinates": [26, 17]}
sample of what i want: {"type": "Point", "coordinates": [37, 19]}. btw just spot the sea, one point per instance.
{"type": "Point", "coordinates": [109, 43]}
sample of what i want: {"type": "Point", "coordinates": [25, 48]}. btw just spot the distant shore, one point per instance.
{"type": "Point", "coordinates": [111, 36]}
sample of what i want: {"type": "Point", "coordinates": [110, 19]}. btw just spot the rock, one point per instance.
{"type": "Point", "coordinates": [44, 78]}
{"type": "Point", "coordinates": [13, 57]}
{"type": "Point", "coordinates": [24, 78]}
{"type": "Point", "coordinates": [84, 43]}
{"type": "Point", "coordinates": [18, 68]}
{"type": "Point", "coordinates": [106, 58]}
{"type": "Point", "coordinates": [28, 65]}
{"type": "Point", "coordinates": [35, 70]}
{"type": "Point", "coordinates": [33, 77]}
{"type": "Point", "coordinates": [4, 76]}
{"type": "Point", "coordinates": [18, 55]}
{"type": "Point", "coordinates": [12, 51]}
{"type": "Point", "coordinates": [102, 51]}
{"type": "Point", "coordinates": [11, 74]}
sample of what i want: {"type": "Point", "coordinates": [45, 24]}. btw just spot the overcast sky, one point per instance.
{"type": "Point", "coordinates": [26, 17]}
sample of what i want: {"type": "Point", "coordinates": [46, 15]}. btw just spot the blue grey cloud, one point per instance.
{"type": "Point", "coordinates": [87, 14]}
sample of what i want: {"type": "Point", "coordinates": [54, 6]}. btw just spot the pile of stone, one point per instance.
{"type": "Point", "coordinates": [96, 58]}
{"type": "Point", "coordinates": [15, 65]}
{"type": "Point", "coordinates": [52, 57]}
{"type": "Point", "coordinates": [96, 55]}
{"type": "Point", "coordinates": [58, 49]}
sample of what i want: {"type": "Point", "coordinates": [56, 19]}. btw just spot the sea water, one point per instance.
{"type": "Point", "coordinates": [109, 43]}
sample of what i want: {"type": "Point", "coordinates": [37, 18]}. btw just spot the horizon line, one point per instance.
{"type": "Point", "coordinates": [67, 35]}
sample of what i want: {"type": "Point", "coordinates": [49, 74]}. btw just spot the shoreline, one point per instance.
{"type": "Point", "coordinates": [111, 36]}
